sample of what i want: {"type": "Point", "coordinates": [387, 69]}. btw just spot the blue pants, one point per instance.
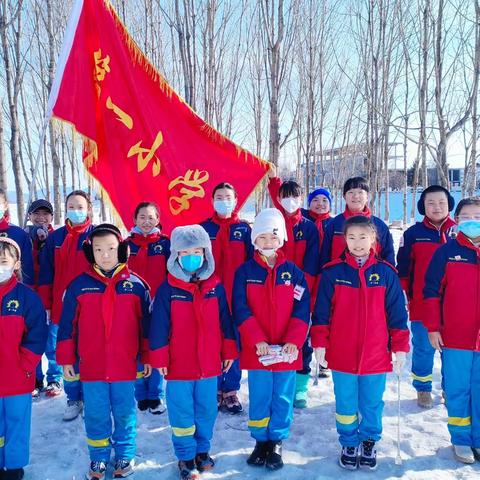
{"type": "Point", "coordinates": [192, 411]}
{"type": "Point", "coordinates": [102, 401]}
{"type": "Point", "coordinates": [422, 358]}
{"type": "Point", "coordinates": [461, 369]}
{"type": "Point", "coordinates": [307, 352]}
{"type": "Point", "coordinates": [150, 388]}
{"type": "Point", "coordinates": [54, 371]}
{"type": "Point", "coordinates": [271, 404]}
{"type": "Point", "coordinates": [15, 419]}
{"type": "Point", "coordinates": [354, 395]}
{"type": "Point", "coordinates": [230, 381]}
{"type": "Point", "coordinates": [73, 388]}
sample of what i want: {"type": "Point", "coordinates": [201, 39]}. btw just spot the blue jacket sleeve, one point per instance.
{"type": "Point", "coordinates": [326, 250]}
{"type": "Point", "coordinates": [67, 330]}
{"type": "Point", "coordinates": [249, 249]}
{"type": "Point", "coordinates": [159, 334]}
{"type": "Point", "coordinates": [405, 262]}
{"type": "Point", "coordinates": [311, 260]}
{"type": "Point", "coordinates": [27, 260]}
{"type": "Point", "coordinates": [322, 310]}
{"type": "Point", "coordinates": [386, 241]}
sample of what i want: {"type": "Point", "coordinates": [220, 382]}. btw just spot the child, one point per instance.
{"type": "Point", "coordinates": [105, 314]}
{"type": "Point", "coordinates": [319, 206]}
{"type": "Point", "coordinates": [23, 330]}
{"type": "Point", "coordinates": [417, 247]}
{"type": "Point", "coordinates": [191, 333]}
{"type": "Point", "coordinates": [61, 260]}
{"type": "Point", "coordinates": [452, 318]}
{"type": "Point", "coordinates": [355, 193]}
{"type": "Point", "coordinates": [302, 248]}
{"type": "Point", "coordinates": [20, 237]}
{"type": "Point", "coordinates": [232, 245]}
{"type": "Point", "coordinates": [271, 305]}
{"type": "Point", "coordinates": [149, 251]}
{"type": "Point", "coordinates": [40, 214]}
{"type": "Point", "coordinates": [359, 319]}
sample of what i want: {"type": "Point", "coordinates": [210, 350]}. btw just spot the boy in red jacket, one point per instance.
{"type": "Point", "coordinates": [418, 244]}
{"type": "Point", "coordinates": [191, 336]}
{"type": "Point", "coordinates": [271, 304]}
{"type": "Point", "coordinates": [452, 318]}
{"type": "Point", "coordinates": [359, 320]}
{"type": "Point", "coordinates": [104, 324]}
{"type": "Point", "coordinates": [23, 330]}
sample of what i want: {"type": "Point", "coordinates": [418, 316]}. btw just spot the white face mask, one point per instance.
{"type": "Point", "coordinates": [5, 273]}
{"type": "Point", "coordinates": [290, 204]}
{"type": "Point", "coordinates": [268, 252]}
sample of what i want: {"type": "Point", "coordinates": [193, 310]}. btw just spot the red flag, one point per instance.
{"type": "Point", "coordinates": [142, 141]}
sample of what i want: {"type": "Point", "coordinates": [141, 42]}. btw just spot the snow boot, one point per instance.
{"type": "Point", "coordinates": [143, 405]}
{"type": "Point", "coordinates": [123, 468]}
{"type": "Point", "coordinates": [368, 455]}
{"type": "Point", "coordinates": [323, 372]}
{"type": "Point", "coordinates": [54, 389]}
{"type": "Point", "coordinates": [463, 454]}
{"type": "Point", "coordinates": [187, 469]}
{"type": "Point", "coordinates": [231, 404]}
{"type": "Point", "coordinates": [424, 399]}
{"type": "Point", "coordinates": [37, 390]}
{"type": "Point", "coordinates": [156, 407]}
{"type": "Point", "coordinates": [259, 455]}
{"type": "Point", "coordinates": [73, 410]}
{"type": "Point", "coordinates": [204, 462]}
{"type": "Point", "coordinates": [301, 389]}
{"type": "Point", "coordinates": [349, 458]}
{"type": "Point", "coordinates": [13, 474]}
{"type": "Point", "coordinates": [97, 471]}
{"type": "Point", "coordinates": [274, 458]}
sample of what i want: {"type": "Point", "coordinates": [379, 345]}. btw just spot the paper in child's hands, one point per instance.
{"type": "Point", "coordinates": [277, 355]}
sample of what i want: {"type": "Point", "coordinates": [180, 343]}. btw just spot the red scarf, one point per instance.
{"type": "Point", "coordinates": [71, 240]}
{"type": "Point", "coordinates": [319, 218]}
{"type": "Point", "coordinates": [221, 247]}
{"type": "Point", "coordinates": [290, 222]}
{"type": "Point", "coordinates": [108, 296]}
{"type": "Point", "coordinates": [4, 223]}
{"type": "Point", "coordinates": [365, 212]}
{"type": "Point", "coordinates": [143, 241]}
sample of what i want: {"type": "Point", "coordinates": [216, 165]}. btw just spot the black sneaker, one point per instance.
{"type": "Point", "coordinates": [156, 407]}
{"type": "Point", "coordinates": [368, 455]}
{"type": "Point", "coordinates": [12, 474]}
{"type": "Point", "coordinates": [274, 458]}
{"type": "Point", "coordinates": [323, 372]}
{"type": "Point", "coordinates": [123, 468]}
{"type": "Point", "coordinates": [204, 462]}
{"type": "Point", "coordinates": [96, 471]}
{"type": "Point", "coordinates": [231, 403]}
{"type": "Point", "coordinates": [259, 455]}
{"type": "Point", "coordinates": [188, 470]}
{"type": "Point", "coordinates": [349, 458]}
{"type": "Point", "coordinates": [143, 405]}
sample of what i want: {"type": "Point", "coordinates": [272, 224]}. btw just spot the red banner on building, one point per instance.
{"type": "Point", "coordinates": [142, 141]}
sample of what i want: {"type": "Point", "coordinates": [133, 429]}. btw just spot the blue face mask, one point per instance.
{"type": "Point", "coordinates": [224, 207]}
{"type": "Point", "coordinates": [2, 212]}
{"type": "Point", "coordinates": [191, 263]}
{"type": "Point", "coordinates": [77, 216]}
{"type": "Point", "coordinates": [470, 228]}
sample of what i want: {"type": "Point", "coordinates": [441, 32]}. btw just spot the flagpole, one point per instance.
{"type": "Point", "coordinates": [52, 98]}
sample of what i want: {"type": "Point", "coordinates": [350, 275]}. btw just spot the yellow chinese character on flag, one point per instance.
{"type": "Point", "coordinates": [102, 65]}
{"type": "Point", "coordinates": [144, 155]}
{"type": "Point", "coordinates": [192, 182]}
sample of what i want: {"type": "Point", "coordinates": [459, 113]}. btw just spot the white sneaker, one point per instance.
{"type": "Point", "coordinates": [73, 410]}
{"type": "Point", "coordinates": [476, 453]}
{"type": "Point", "coordinates": [157, 407]}
{"type": "Point", "coordinates": [463, 454]}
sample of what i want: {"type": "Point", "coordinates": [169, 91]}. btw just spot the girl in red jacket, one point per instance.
{"type": "Point", "coordinates": [191, 334]}
{"type": "Point", "coordinates": [23, 330]}
{"type": "Point", "coordinates": [149, 251]}
{"type": "Point", "coordinates": [358, 321]}
{"type": "Point", "coordinates": [271, 305]}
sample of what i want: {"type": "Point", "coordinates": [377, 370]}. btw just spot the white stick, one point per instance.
{"type": "Point", "coordinates": [398, 458]}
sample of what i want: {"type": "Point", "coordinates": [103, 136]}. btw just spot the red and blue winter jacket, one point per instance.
{"type": "Point", "coordinates": [360, 315]}
{"type": "Point", "coordinates": [334, 240]}
{"type": "Point", "coordinates": [231, 246]}
{"type": "Point", "coordinates": [148, 257]}
{"type": "Point", "coordinates": [104, 325]}
{"type": "Point", "coordinates": [23, 240]}
{"type": "Point", "coordinates": [321, 222]}
{"type": "Point", "coordinates": [37, 246]}
{"type": "Point", "coordinates": [304, 251]}
{"type": "Point", "coordinates": [61, 260]}
{"type": "Point", "coordinates": [451, 294]}
{"type": "Point", "coordinates": [270, 305]}
{"type": "Point", "coordinates": [191, 331]}
{"type": "Point", "coordinates": [417, 247]}
{"type": "Point", "coordinates": [23, 335]}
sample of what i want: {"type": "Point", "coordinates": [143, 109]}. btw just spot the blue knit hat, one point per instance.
{"type": "Point", "coordinates": [320, 191]}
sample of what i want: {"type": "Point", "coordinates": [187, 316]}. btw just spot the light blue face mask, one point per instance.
{"type": "Point", "coordinates": [140, 232]}
{"type": "Point", "coordinates": [77, 216]}
{"type": "Point", "coordinates": [224, 207]}
{"type": "Point", "coordinates": [2, 212]}
{"type": "Point", "coordinates": [470, 228]}
{"type": "Point", "coordinates": [191, 263]}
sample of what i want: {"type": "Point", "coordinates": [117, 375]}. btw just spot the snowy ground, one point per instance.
{"type": "Point", "coordinates": [59, 452]}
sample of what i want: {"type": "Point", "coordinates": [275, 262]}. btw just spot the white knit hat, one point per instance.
{"type": "Point", "coordinates": [270, 220]}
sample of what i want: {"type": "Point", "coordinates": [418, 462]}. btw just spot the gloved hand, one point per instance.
{"type": "Point", "coordinates": [320, 356]}
{"type": "Point", "coordinates": [398, 362]}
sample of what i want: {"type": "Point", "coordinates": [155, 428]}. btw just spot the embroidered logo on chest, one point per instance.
{"type": "Point", "coordinates": [13, 306]}
{"type": "Point", "coordinates": [158, 249]}
{"type": "Point", "coordinates": [286, 277]}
